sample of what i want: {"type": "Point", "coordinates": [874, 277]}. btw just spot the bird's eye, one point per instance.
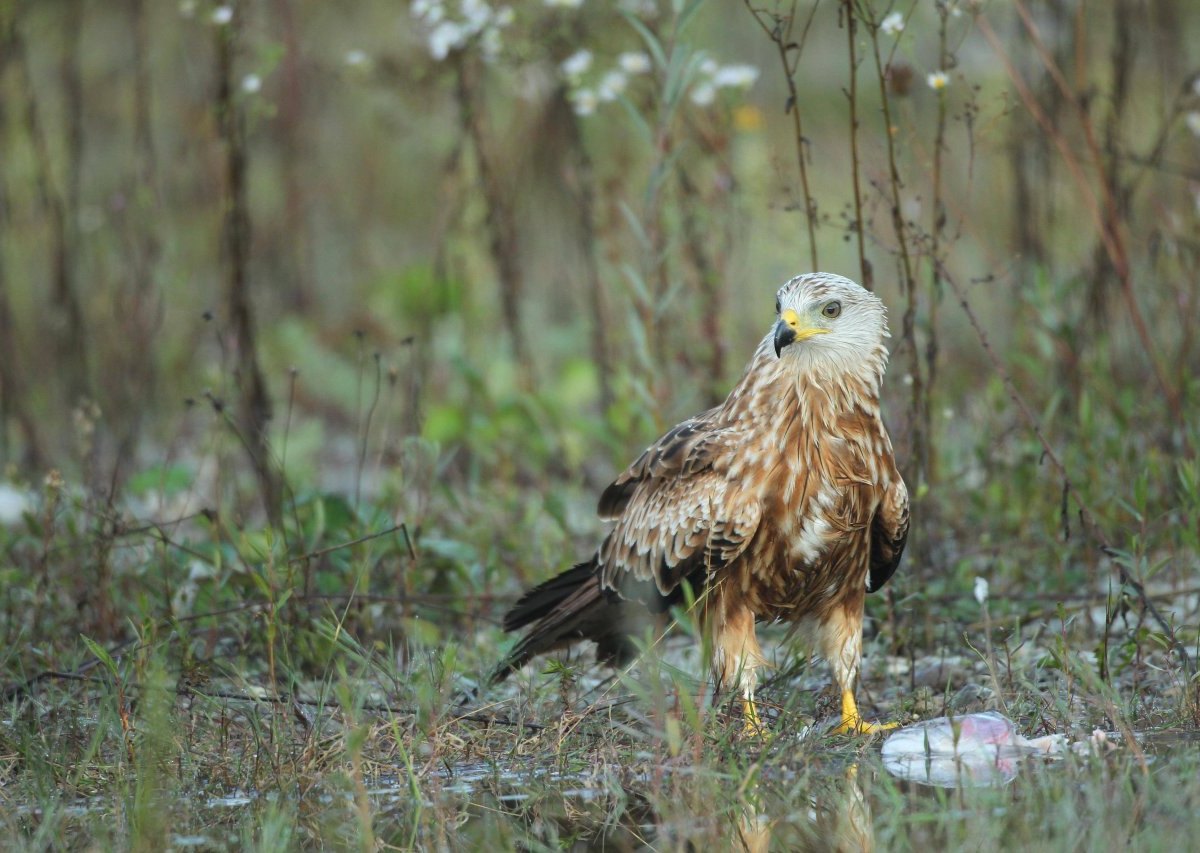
{"type": "Point", "coordinates": [777, 307]}
{"type": "Point", "coordinates": [832, 309]}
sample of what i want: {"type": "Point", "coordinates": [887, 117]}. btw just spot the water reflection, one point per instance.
{"type": "Point", "coordinates": [841, 815]}
{"type": "Point", "coordinates": [823, 810]}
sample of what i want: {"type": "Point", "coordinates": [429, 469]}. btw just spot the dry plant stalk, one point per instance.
{"type": "Point", "coordinates": [70, 329]}
{"type": "Point", "coordinates": [501, 215]}
{"type": "Point", "coordinates": [254, 413]}
{"type": "Point", "coordinates": [709, 280]}
{"type": "Point", "coordinates": [12, 385]}
{"type": "Point", "coordinates": [850, 21]}
{"type": "Point", "coordinates": [918, 465]}
{"type": "Point", "coordinates": [581, 180]}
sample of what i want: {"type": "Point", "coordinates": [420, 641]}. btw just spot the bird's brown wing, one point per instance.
{"type": "Point", "coordinates": [678, 515]}
{"type": "Point", "coordinates": [889, 532]}
{"type": "Point", "coordinates": [677, 512]}
{"type": "Point", "coordinates": [689, 448]}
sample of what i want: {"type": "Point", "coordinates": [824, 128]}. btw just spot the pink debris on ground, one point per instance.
{"type": "Point", "coordinates": [974, 749]}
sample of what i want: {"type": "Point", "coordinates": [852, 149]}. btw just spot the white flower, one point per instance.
{"type": "Point", "coordinates": [1192, 120]}
{"type": "Point", "coordinates": [428, 9]}
{"type": "Point", "coordinates": [477, 14]}
{"type": "Point", "coordinates": [187, 8]}
{"type": "Point", "coordinates": [634, 62]}
{"type": "Point", "coordinates": [444, 38]}
{"type": "Point", "coordinates": [937, 80]}
{"type": "Point", "coordinates": [504, 16]}
{"type": "Point", "coordinates": [356, 58]}
{"type": "Point", "coordinates": [251, 83]}
{"type": "Point", "coordinates": [428, 12]}
{"type": "Point", "coordinates": [612, 85]}
{"type": "Point", "coordinates": [735, 76]}
{"type": "Point", "coordinates": [563, 4]}
{"type": "Point", "coordinates": [222, 15]}
{"type": "Point", "coordinates": [709, 66]}
{"type": "Point", "coordinates": [576, 64]}
{"type": "Point", "coordinates": [704, 94]}
{"type": "Point", "coordinates": [893, 24]}
{"type": "Point", "coordinates": [584, 101]}
{"type": "Point", "coordinates": [981, 591]}
{"type": "Point", "coordinates": [14, 503]}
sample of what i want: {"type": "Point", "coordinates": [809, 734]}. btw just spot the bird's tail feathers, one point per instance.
{"type": "Point", "coordinates": [567, 608]}
{"type": "Point", "coordinates": [536, 603]}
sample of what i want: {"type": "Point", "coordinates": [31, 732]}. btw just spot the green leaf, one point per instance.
{"type": "Point", "coordinates": [652, 42]}
{"type": "Point", "coordinates": [637, 285]}
{"type": "Point", "coordinates": [639, 122]}
{"type": "Point", "coordinates": [450, 549]}
{"type": "Point", "coordinates": [680, 73]}
{"type": "Point", "coordinates": [166, 479]}
{"type": "Point", "coordinates": [100, 653]}
{"type": "Point", "coordinates": [444, 424]}
{"type": "Point", "coordinates": [339, 515]}
{"type": "Point", "coordinates": [686, 16]}
{"type": "Point", "coordinates": [635, 225]}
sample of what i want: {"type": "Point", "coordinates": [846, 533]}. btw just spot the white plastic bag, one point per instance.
{"type": "Point", "coordinates": [974, 749]}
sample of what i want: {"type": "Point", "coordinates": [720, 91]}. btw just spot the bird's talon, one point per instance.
{"type": "Point", "coordinates": [857, 726]}
{"type": "Point", "coordinates": [852, 721]}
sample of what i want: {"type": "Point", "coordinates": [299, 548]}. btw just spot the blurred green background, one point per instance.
{"type": "Point", "coordinates": [323, 324]}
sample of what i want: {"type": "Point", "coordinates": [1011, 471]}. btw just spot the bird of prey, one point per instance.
{"type": "Point", "coordinates": [783, 503]}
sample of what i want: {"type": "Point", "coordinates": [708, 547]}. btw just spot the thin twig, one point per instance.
{"type": "Point", "coordinates": [780, 34]}
{"type": "Point", "coordinates": [851, 22]}
{"type": "Point", "coordinates": [312, 555]}
{"type": "Point", "coordinates": [919, 464]}
{"type": "Point", "coordinates": [255, 402]}
{"type": "Point", "coordinates": [935, 235]}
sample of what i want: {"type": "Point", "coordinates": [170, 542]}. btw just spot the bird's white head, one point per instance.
{"type": "Point", "coordinates": [827, 321]}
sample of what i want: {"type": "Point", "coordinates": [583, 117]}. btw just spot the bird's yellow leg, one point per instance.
{"type": "Point", "coordinates": [852, 721]}
{"type": "Point", "coordinates": [752, 724]}
{"type": "Point", "coordinates": [736, 658]}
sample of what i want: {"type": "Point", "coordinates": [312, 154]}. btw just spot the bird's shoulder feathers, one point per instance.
{"type": "Point", "coordinates": [677, 512]}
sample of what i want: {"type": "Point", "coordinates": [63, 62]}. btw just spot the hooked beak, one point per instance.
{"type": "Point", "coordinates": [791, 329]}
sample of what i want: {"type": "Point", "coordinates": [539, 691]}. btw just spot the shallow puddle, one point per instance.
{"type": "Point", "coordinates": [791, 795]}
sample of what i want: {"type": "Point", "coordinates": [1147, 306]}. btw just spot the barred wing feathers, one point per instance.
{"type": "Point", "coordinates": [678, 514]}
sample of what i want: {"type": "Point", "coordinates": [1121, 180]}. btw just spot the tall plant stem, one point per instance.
{"type": "Point", "coordinates": [254, 413]}
{"type": "Point", "coordinates": [779, 31]}
{"type": "Point", "coordinates": [918, 466]}
{"type": "Point", "coordinates": [851, 23]}
{"type": "Point", "coordinates": [501, 217]}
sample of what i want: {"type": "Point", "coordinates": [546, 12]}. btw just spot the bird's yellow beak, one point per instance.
{"type": "Point", "coordinates": [791, 329]}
